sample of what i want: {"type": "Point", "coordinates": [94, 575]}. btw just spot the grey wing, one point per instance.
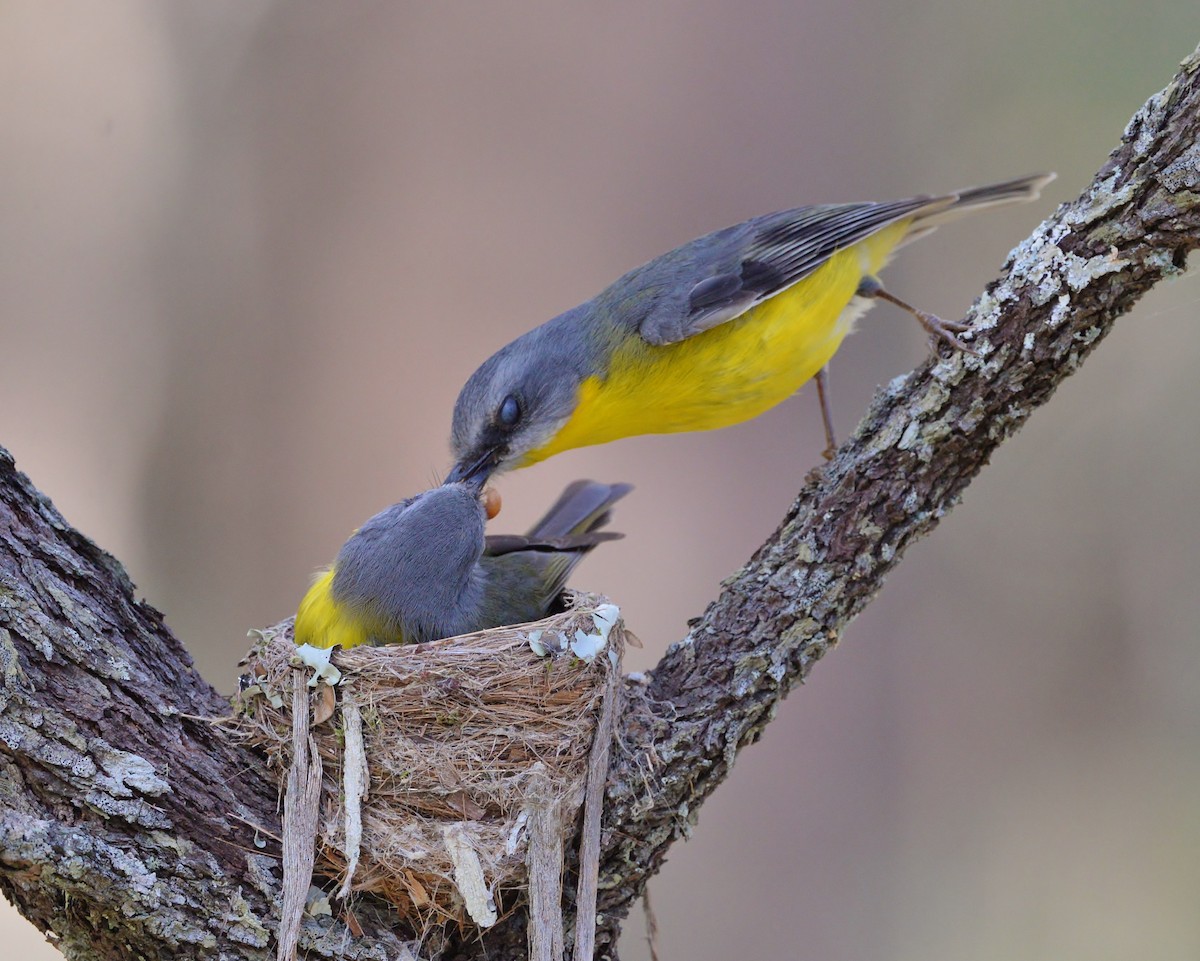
{"type": "Point", "coordinates": [524, 576]}
{"type": "Point", "coordinates": [526, 573]}
{"type": "Point", "coordinates": [501, 545]}
{"type": "Point", "coordinates": [521, 585]}
{"type": "Point", "coordinates": [719, 277]}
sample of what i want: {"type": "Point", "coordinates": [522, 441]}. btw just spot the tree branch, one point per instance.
{"type": "Point", "coordinates": [129, 823]}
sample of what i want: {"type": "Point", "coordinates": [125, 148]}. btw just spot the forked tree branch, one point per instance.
{"type": "Point", "coordinates": [128, 823]}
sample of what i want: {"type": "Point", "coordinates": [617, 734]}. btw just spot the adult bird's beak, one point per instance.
{"type": "Point", "coordinates": [474, 472]}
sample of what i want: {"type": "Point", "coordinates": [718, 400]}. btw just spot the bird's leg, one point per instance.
{"type": "Point", "coordinates": [938, 329]}
{"type": "Point", "coordinates": [822, 380]}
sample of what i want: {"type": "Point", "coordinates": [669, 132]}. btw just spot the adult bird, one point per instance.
{"type": "Point", "coordinates": [710, 334]}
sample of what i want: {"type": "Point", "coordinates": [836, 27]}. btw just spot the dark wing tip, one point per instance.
{"type": "Point", "coordinates": [583, 506]}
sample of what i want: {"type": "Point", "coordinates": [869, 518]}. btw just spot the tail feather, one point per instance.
{"type": "Point", "coordinates": [1018, 190]}
{"type": "Point", "coordinates": [943, 209]}
{"type": "Point", "coordinates": [584, 506]}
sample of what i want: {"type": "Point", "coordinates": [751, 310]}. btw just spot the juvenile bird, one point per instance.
{"type": "Point", "coordinates": [708, 335]}
{"type": "Point", "coordinates": [423, 569]}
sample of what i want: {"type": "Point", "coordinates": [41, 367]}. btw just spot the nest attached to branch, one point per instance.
{"type": "Point", "coordinates": [476, 751]}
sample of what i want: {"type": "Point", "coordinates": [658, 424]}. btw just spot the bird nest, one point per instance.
{"type": "Point", "coordinates": [443, 770]}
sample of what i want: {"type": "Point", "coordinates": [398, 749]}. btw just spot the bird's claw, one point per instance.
{"type": "Point", "coordinates": [946, 331]}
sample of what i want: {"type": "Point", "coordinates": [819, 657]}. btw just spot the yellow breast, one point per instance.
{"type": "Point", "coordinates": [323, 622]}
{"type": "Point", "coordinates": [734, 371]}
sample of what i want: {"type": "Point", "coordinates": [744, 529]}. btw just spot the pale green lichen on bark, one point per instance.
{"type": "Point", "coordinates": [12, 676]}
{"type": "Point", "coordinates": [247, 928]}
{"type": "Point", "coordinates": [126, 773]}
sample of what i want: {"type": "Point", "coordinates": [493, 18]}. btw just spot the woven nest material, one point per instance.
{"type": "Point", "coordinates": [465, 740]}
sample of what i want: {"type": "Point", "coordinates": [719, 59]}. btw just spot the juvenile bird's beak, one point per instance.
{"type": "Point", "coordinates": [474, 472]}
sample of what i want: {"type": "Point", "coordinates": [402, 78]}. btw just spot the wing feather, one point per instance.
{"type": "Point", "coordinates": [782, 250]}
{"type": "Point", "coordinates": [720, 276]}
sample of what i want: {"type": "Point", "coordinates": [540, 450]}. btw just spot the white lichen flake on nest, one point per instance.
{"type": "Point", "coordinates": [318, 658]}
{"type": "Point", "coordinates": [584, 645]}
{"type": "Point", "coordinates": [451, 732]}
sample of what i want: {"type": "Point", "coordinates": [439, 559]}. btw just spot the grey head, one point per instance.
{"type": "Point", "coordinates": [521, 396]}
{"type": "Point", "coordinates": [414, 566]}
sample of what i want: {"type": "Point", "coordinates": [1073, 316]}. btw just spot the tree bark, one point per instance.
{"type": "Point", "coordinates": [130, 825]}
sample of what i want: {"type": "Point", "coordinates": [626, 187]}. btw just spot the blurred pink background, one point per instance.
{"type": "Point", "coordinates": [249, 252]}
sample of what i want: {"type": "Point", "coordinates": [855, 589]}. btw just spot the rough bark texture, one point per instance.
{"type": "Point", "coordinates": [128, 822]}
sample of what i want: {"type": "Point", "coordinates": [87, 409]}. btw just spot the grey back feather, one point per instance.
{"type": "Point", "coordinates": [718, 277]}
{"type": "Point", "coordinates": [414, 567]}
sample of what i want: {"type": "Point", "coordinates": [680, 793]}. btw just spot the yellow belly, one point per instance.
{"type": "Point", "coordinates": [734, 371]}
{"type": "Point", "coordinates": [323, 622]}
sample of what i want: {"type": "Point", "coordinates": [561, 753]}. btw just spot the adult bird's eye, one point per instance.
{"type": "Point", "coordinates": [509, 412]}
